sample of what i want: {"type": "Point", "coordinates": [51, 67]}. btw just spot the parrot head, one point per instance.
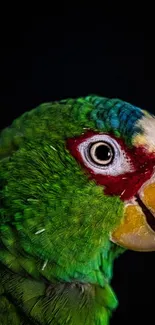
{"type": "Point", "coordinates": [77, 182]}
{"type": "Point", "coordinates": [121, 158]}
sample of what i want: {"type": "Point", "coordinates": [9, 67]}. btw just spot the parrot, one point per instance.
{"type": "Point", "coordinates": [77, 189]}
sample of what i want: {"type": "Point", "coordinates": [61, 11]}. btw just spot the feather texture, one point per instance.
{"type": "Point", "coordinates": [56, 257]}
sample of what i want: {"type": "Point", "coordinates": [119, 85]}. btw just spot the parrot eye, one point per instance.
{"type": "Point", "coordinates": [101, 153]}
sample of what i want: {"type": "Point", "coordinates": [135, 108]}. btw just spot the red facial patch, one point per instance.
{"type": "Point", "coordinates": [125, 185]}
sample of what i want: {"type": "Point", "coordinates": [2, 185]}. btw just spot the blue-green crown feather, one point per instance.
{"type": "Point", "coordinates": [115, 114]}
{"type": "Point", "coordinates": [110, 115]}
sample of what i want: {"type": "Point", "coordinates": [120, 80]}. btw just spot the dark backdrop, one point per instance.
{"type": "Point", "coordinates": [70, 54]}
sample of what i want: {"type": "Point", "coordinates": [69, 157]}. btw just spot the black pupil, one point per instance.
{"type": "Point", "coordinates": [103, 152]}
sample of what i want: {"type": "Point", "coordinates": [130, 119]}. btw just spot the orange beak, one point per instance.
{"type": "Point", "coordinates": [137, 229]}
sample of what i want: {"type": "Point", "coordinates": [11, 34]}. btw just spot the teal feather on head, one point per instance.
{"type": "Point", "coordinates": [115, 115]}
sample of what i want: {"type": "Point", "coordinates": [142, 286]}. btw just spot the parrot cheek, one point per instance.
{"type": "Point", "coordinates": [137, 229]}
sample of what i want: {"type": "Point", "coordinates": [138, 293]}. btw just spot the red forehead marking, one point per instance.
{"type": "Point", "coordinates": [125, 185]}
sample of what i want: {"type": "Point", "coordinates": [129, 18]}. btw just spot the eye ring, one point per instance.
{"type": "Point", "coordinates": [101, 153]}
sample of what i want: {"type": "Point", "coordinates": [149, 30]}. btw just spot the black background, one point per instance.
{"type": "Point", "coordinates": [75, 53]}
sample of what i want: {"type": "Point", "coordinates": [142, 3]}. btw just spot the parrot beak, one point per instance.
{"type": "Point", "coordinates": [137, 229]}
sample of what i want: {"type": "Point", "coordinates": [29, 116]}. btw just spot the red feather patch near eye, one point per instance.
{"type": "Point", "coordinates": [125, 184]}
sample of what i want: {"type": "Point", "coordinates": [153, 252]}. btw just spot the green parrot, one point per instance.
{"type": "Point", "coordinates": [77, 190]}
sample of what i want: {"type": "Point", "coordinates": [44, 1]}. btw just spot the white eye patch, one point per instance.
{"type": "Point", "coordinates": [103, 155]}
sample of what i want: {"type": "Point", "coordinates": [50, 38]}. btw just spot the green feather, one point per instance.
{"type": "Point", "coordinates": [55, 254]}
